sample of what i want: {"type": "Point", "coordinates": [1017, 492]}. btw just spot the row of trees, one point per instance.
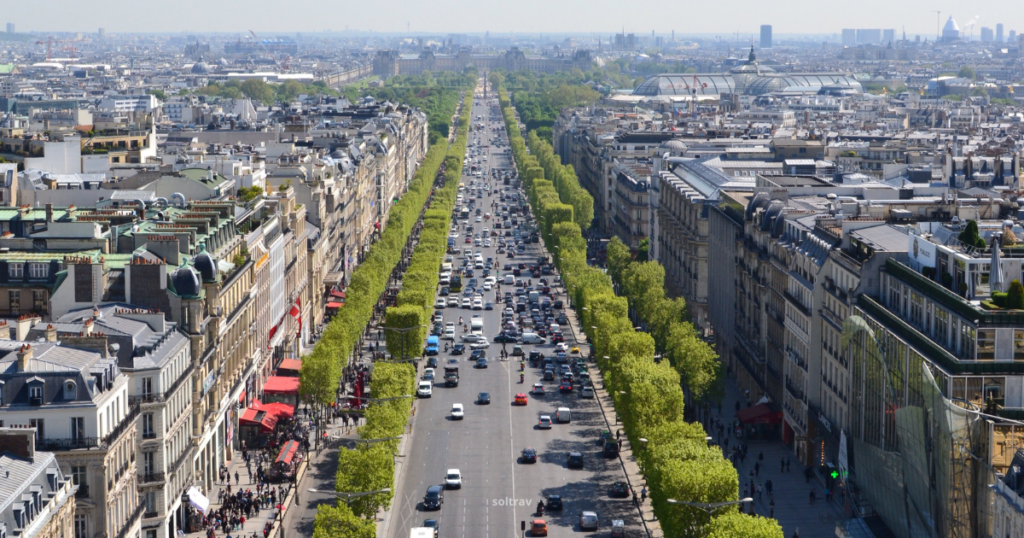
{"type": "Point", "coordinates": [268, 94]}
{"type": "Point", "coordinates": [649, 399]}
{"type": "Point", "coordinates": [371, 467]}
{"type": "Point", "coordinates": [540, 96]}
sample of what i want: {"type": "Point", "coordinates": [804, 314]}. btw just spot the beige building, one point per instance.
{"type": "Point", "coordinates": [37, 500]}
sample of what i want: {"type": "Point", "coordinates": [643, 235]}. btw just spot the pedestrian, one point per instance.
{"type": "Point", "coordinates": [636, 500]}
{"type": "Point", "coordinates": [757, 468]}
{"type": "Point", "coordinates": [769, 485]}
{"type": "Point", "coordinates": [760, 490]}
{"type": "Point", "coordinates": [811, 495]}
{"type": "Point", "coordinates": [236, 478]}
{"type": "Point", "coordinates": [643, 494]}
{"type": "Point", "coordinates": [620, 445]}
{"type": "Point", "coordinates": [760, 456]}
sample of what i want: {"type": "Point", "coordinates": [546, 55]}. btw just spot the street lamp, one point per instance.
{"type": "Point", "coordinates": [710, 507]}
{"type": "Point", "coordinates": [377, 400]}
{"type": "Point", "coordinates": [345, 496]}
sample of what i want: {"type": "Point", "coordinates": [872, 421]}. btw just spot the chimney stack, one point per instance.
{"type": "Point", "coordinates": [51, 333]}
{"type": "Point", "coordinates": [24, 355]}
{"type": "Point", "coordinates": [19, 441]}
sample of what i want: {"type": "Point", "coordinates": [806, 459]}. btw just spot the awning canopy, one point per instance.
{"type": "Point", "coordinates": [281, 385]}
{"type": "Point", "coordinates": [280, 410]}
{"type": "Point", "coordinates": [293, 365]}
{"type": "Point", "coordinates": [759, 414]}
{"type": "Point", "coordinates": [334, 304]}
{"type": "Point", "coordinates": [287, 453]}
{"type": "Point", "coordinates": [264, 419]}
{"type": "Point", "coordinates": [338, 293]}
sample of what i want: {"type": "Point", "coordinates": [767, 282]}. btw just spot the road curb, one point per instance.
{"type": "Point", "coordinates": [384, 529]}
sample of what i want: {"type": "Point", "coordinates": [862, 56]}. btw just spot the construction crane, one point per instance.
{"type": "Point", "coordinates": [49, 46]}
{"type": "Point", "coordinates": [71, 49]}
{"type": "Point", "coordinates": [938, 22]}
{"type": "Point", "coordinates": [254, 36]}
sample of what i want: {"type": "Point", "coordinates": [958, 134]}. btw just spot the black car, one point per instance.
{"type": "Point", "coordinates": [536, 356]}
{"type": "Point", "coordinates": [558, 304]}
{"type": "Point", "coordinates": [504, 339]}
{"type": "Point", "coordinates": [575, 460]}
{"type": "Point", "coordinates": [620, 490]}
{"type": "Point", "coordinates": [483, 398]}
{"type": "Point", "coordinates": [529, 455]}
{"type": "Point", "coordinates": [477, 354]}
{"type": "Point", "coordinates": [445, 290]}
{"type": "Point", "coordinates": [554, 503]}
{"type": "Point", "coordinates": [431, 362]}
{"type": "Point", "coordinates": [432, 524]}
{"type": "Point", "coordinates": [434, 498]}
{"type": "Point", "coordinates": [565, 386]}
{"type": "Point", "coordinates": [459, 349]}
{"type": "Point", "coordinates": [481, 362]}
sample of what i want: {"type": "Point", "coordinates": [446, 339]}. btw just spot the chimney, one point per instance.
{"type": "Point", "coordinates": [24, 355]}
{"type": "Point", "coordinates": [87, 330]}
{"type": "Point", "coordinates": [51, 333]}
{"type": "Point", "coordinates": [49, 213]}
{"type": "Point", "coordinates": [23, 326]}
{"type": "Point", "coordinates": [19, 441]}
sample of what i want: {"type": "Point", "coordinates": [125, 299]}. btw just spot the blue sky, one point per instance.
{"type": "Point", "coordinates": [521, 16]}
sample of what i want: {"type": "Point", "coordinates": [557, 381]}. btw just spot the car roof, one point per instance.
{"type": "Point", "coordinates": [453, 471]}
{"type": "Point", "coordinates": [588, 513]}
{"type": "Point", "coordinates": [434, 489]}
{"type": "Point", "coordinates": [575, 454]}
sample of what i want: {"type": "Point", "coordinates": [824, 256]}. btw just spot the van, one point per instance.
{"type": "Point", "coordinates": [432, 344]}
{"type": "Point", "coordinates": [476, 324]}
{"type": "Point", "coordinates": [532, 338]}
{"type": "Point", "coordinates": [534, 296]}
{"type": "Point", "coordinates": [446, 267]}
{"type": "Point", "coordinates": [563, 415]}
{"type": "Point", "coordinates": [424, 389]}
{"type": "Point", "coordinates": [510, 280]}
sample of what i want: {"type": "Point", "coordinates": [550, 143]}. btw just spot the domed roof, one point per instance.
{"type": "Point", "coordinates": [185, 281]}
{"type": "Point", "coordinates": [673, 145]}
{"type": "Point", "coordinates": [200, 68]}
{"type": "Point", "coordinates": [206, 266]}
{"type": "Point", "coordinates": [950, 26]}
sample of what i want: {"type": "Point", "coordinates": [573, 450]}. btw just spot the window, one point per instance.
{"type": "Point", "coordinates": [38, 424]}
{"type": "Point", "coordinates": [35, 392]}
{"type": "Point", "coordinates": [14, 299]}
{"type": "Point", "coordinates": [147, 426]}
{"type": "Point", "coordinates": [77, 428]}
{"type": "Point", "coordinates": [1018, 346]}
{"type": "Point", "coordinates": [916, 309]}
{"type": "Point", "coordinates": [148, 463]}
{"type": "Point", "coordinates": [16, 270]}
{"type": "Point", "coordinates": [38, 270]}
{"type": "Point", "coordinates": [147, 387]}
{"type": "Point", "coordinates": [78, 475]}
{"type": "Point", "coordinates": [39, 300]}
{"type": "Point", "coordinates": [942, 327]}
{"type": "Point", "coordinates": [986, 345]}
{"type": "Point", "coordinates": [150, 502]}
{"type": "Point", "coordinates": [81, 527]}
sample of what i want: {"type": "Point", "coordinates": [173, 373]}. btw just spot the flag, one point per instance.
{"type": "Point", "coordinates": [296, 312]}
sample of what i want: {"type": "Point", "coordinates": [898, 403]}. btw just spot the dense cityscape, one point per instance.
{"type": "Point", "coordinates": [358, 284]}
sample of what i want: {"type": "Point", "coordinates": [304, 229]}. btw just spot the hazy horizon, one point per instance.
{"type": "Point", "coordinates": [593, 17]}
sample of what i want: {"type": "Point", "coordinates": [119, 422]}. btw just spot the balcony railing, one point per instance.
{"type": "Point", "coordinates": [185, 455]}
{"type": "Point", "coordinates": [127, 422]}
{"type": "Point", "coordinates": [136, 514]}
{"type": "Point", "coordinates": [159, 397]}
{"type": "Point", "coordinates": [54, 445]}
{"type": "Point", "coordinates": [83, 491]}
{"type": "Point", "coordinates": [146, 478]}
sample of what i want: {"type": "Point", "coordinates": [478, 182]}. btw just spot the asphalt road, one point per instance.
{"type": "Point", "coordinates": [499, 492]}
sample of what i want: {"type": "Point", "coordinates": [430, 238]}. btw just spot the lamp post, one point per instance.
{"type": "Point", "coordinates": [405, 344]}
{"type": "Point", "coordinates": [710, 508]}
{"type": "Point", "coordinates": [346, 496]}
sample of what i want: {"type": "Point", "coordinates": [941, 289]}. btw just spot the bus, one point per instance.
{"type": "Point", "coordinates": [432, 345]}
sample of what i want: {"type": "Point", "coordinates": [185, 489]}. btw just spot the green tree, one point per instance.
{"type": "Point", "coordinates": [641, 252]}
{"type": "Point", "coordinates": [339, 522]}
{"type": "Point", "coordinates": [739, 525]}
{"type": "Point", "coordinates": [231, 92]}
{"type": "Point", "coordinates": [966, 72]}
{"type": "Point", "coordinates": [371, 468]}
{"type": "Point", "coordinates": [258, 90]}
{"type": "Point", "coordinates": [970, 236]}
{"type": "Point", "coordinates": [403, 330]}
{"type": "Point", "coordinates": [159, 94]}
{"type": "Point", "coordinates": [1015, 296]}
{"type": "Point", "coordinates": [248, 194]}
{"type": "Point", "coordinates": [617, 257]}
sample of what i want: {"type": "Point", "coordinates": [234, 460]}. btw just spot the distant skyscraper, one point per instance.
{"type": "Point", "coordinates": [673, 36]}
{"type": "Point", "coordinates": [849, 37]}
{"type": "Point", "coordinates": [888, 36]}
{"type": "Point", "coordinates": [1012, 36]}
{"type": "Point", "coordinates": [766, 36]}
{"type": "Point", "coordinates": [999, 32]}
{"type": "Point", "coordinates": [102, 33]}
{"type": "Point", "coordinates": [866, 36]}
{"type": "Point", "coordinates": [10, 28]}
{"type": "Point", "coordinates": [986, 34]}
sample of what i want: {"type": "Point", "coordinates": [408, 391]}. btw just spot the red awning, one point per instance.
{"type": "Point", "coordinates": [337, 293]}
{"type": "Point", "coordinates": [334, 305]}
{"type": "Point", "coordinates": [281, 385]}
{"type": "Point", "coordinates": [287, 453]}
{"type": "Point", "coordinates": [759, 414]}
{"type": "Point", "coordinates": [241, 397]}
{"type": "Point", "coordinates": [278, 409]}
{"type": "Point", "coordinates": [265, 420]}
{"type": "Point", "coordinates": [293, 365]}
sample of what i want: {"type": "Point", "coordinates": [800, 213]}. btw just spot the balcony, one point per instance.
{"type": "Point", "coordinates": [83, 491]}
{"type": "Point", "coordinates": [132, 520]}
{"type": "Point", "coordinates": [57, 445]}
{"type": "Point", "coordinates": [148, 478]}
{"type": "Point", "coordinates": [162, 396]}
{"type": "Point", "coordinates": [127, 422]}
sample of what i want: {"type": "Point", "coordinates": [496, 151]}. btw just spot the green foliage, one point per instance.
{"type": "Point", "coordinates": [407, 324]}
{"type": "Point", "coordinates": [738, 525]}
{"type": "Point", "coordinates": [966, 72]}
{"type": "Point", "coordinates": [970, 236]}
{"type": "Point", "coordinates": [642, 251]}
{"type": "Point", "coordinates": [159, 94]}
{"type": "Point", "coordinates": [257, 90]}
{"type": "Point", "coordinates": [339, 522]}
{"type": "Point", "coordinates": [248, 194]}
{"type": "Point", "coordinates": [369, 468]}
{"type": "Point", "coordinates": [1015, 296]}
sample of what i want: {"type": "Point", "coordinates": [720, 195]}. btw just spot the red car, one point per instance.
{"type": "Point", "coordinates": [520, 399]}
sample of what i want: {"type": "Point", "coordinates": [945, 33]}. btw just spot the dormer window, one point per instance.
{"type": "Point", "coordinates": [70, 389]}
{"type": "Point", "coordinates": [35, 392]}
{"type": "Point", "coordinates": [16, 270]}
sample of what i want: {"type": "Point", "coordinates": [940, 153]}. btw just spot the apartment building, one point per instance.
{"type": "Point", "coordinates": [38, 499]}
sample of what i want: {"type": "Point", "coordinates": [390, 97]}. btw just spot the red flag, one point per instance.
{"type": "Point", "coordinates": [296, 312]}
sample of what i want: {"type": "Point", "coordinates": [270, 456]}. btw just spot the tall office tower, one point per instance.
{"type": "Point", "coordinates": [869, 35]}
{"type": "Point", "coordinates": [1012, 36]}
{"type": "Point", "coordinates": [673, 36]}
{"type": "Point", "coordinates": [766, 36]}
{"type": "Point", "coordinates": [888, 36]}
{"type": "Point", "coordinates": [10, 28]}
{"type": "Point", "coordinates": [986, 34]}
{"type": "Point", "coordinates": [849, 37]}
{"type": "Point", "coordinates": [102, 33]}
{"type": "Point", "coordinates": [999, 33]}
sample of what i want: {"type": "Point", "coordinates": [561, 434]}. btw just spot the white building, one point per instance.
{"type": "Point", "coordinates": [129, 103]}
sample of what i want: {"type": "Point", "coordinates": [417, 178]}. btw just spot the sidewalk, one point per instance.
{"type": "Point", "coordinates": [793, 508]}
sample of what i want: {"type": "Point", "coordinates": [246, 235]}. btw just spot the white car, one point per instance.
{"type": "Point", "coordinates": [561, 347]}
{"type": "Point", "coordinates": [487, 242]}
{"type": "Point", "coordinates": [466, 303]}
{"type": "Point", "coordinates": [458, 413]}
{"type": "Point", "coordinates": [480, 344]}
{"type": "Point", "coordinates": [453, 301]}
{"type": "Point", "coordinates": [424, 389]}
{"type": "Point", "coordinates": [449, 334]}
{"type": "Point", "coordinates": [428, 374]}
{"type": "Point", "coordinates": [440, 303]}
{"type": "Point", "coordinates": [453, 478]}
{"type": "Point", "coordinates": [487, 286]}
{"type": "Point", "coordinates": [545, 422]}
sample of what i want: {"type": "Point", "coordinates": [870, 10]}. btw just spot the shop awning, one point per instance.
{"type": "Point", "coordinates": [278, 409]}
{"type": "Point", "coordinates": [338, 293]}
{"type": "Point", "coordinates": [241, 397]}
{"type": "Point", "coordinates": [265, 420]}
{"type": "Point", "coordinates": [281, 385]}
{"type": "Point", "coordinates": [334, 304]}
{"type": "Point", "coordinates": [759, 414]}
{"type": "Point", "coordinates": [287, 453]}
{"type": "Point", "coordinates": [293, 365]}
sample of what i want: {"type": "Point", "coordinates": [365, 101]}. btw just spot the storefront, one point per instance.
{"type": "Point", "coordinates": [281, 389]}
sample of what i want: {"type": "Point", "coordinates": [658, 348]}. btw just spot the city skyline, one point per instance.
{"type": "Point", "coordinates": [787, 17]}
